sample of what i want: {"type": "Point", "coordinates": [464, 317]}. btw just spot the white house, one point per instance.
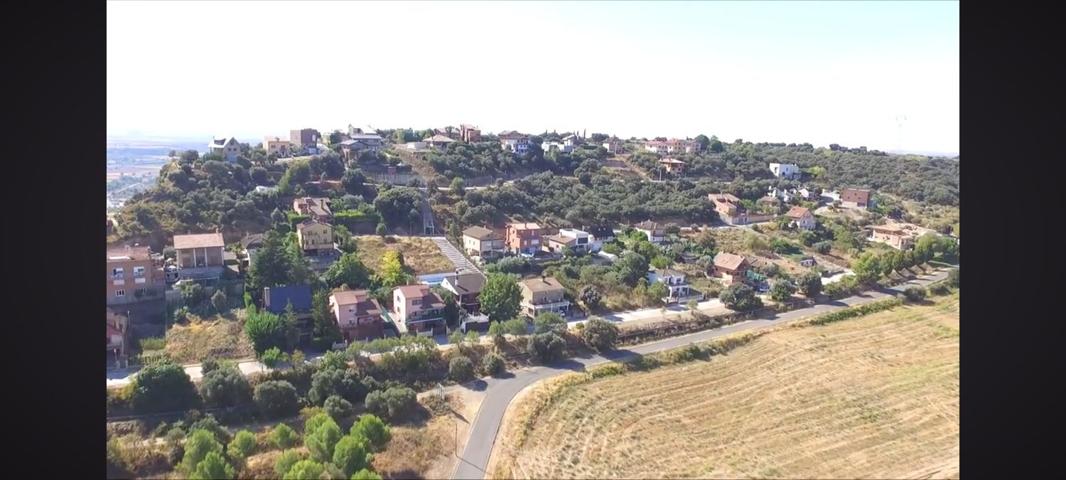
{"type": "Point", "coordinates": [560, 146]}
{"type": "Point", "coordinates": [227, 147]}
{"type": "Point", "coordinates": [785, 170]}
{"type": "Point", "coordinates": [514, 141]}
{"type": "Point", "coordinates": [675, 283]}
{"type": "Point", "coordinates": [801, 217]}
{"type": "Point", "coordinates": [652, 230]}
{"type": "Point", "coordinates": [582, 239]}
{"type": "Point", "coordinates": [415, 146]}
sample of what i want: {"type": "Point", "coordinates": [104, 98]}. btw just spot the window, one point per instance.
{"type": "Point", "coordinates": [117, 273]}
{"type": "Point", "coordinates": [120, 293]}
{"type": "Point", "coordinates": [138, 272]}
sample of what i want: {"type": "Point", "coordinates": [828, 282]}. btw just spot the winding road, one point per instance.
{"type": "Point", "coordinates": [500, 391]}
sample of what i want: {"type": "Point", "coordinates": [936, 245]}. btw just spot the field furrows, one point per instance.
{"type": "Point", "coordinates": [869, 397]}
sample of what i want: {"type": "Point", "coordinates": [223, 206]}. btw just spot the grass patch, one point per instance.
{"type": "Point", "coordinates": [420, 254]}
{"type": "Point", "coordinates": [210, 337]}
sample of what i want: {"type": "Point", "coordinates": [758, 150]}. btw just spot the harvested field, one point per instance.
{"type": "Point", "coordinates": [420, 254]}
{"type": "Point", "coordinates": [870, 397]}
{"type": "Point", "coordinates": [200, 338]}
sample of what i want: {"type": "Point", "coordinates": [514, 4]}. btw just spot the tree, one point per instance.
{"type": "Point", "coordinates": [739, 296]}
{"type": "Point", "coordinates": [321, 440]}
{"type": "Point", "coordinates": [212, 467]}
{"type": "Point", "coordinates": [286, 460]}
{"type": "Point", "coordinates": [953, 277]}
{"type": "Point", "coordinates": [599, 334]}
{"type": "Point", "coordinates": [451, 311]}
{"type": "Point", "coordinates": [271, 357]}
{"type": "Point", "coordinates": [458, 187]}
{"type": "Point", "coordinates": [867, 268]}
{"type": "Point", "coordinates": [391, 403]}
{"type": "Point", "coordinates": [914, 294]}
{"type": "Point", "coordinates": [198, 444]}
{"type": "Point", "coordinates": [381, 230]}
{"type": "Point", "coordinates": [809, 284]}
{"type": "Point", "coordinates": [305, 470]}
{"type": "Point", "coordinates": [703, 141]}
{"type": "Point", "coordinates": [220, 302]}
{"type": "Point", "coordinates": [225, 387]}
{"type": "Point", "coordinates": [500, 297]}
{"type": "Point", "coordinates": [590, 297]}
{"type": "Point", "coordinates": [334, 381]}
{"type": "Point", "coordinates": [392, 272]}
{"type": "Point", "coordinates": [782, 290]}
{"type": "Point", "coordinates": [365, 474]}
{"type": "Point", "coordinates": [351, 454]}
{"type": "Point", "coordinates": [460, 369]}
{"type": "Point", "coordinates": [276, 398]}
{"type": "Point", "coordinates": [374, 430]}
{"type": "Point", "coordinates": [242, 445]}
{"type": "Point", "coordinates": [549, 322]}
{"type": "Point", "coordinates": [325, 330]}
{"type": "Point", "coordinates": [163, 387]}
{"type": "Point", "coordinates": [348, 270]}
{"type": "Point", "coordinates": [547, 347]}
{"type": "Point", "coordinates": [661, 262]}
{"type": "Point", "coordinates": [352, 181]}
{"type": "Point", "coordinates": [493, 364]}
{"type": "Point", "coordinates": [631, 267]}
{"type": "Point", "coordinates": [266, 330]}
{"type": "Point", "coordinates": [192, 294]}
{"type": "Point", "coordinates": [338, 408]}
{"type": "Point", "coordinates": [658, 291]}
{"type": "Point", "coordinates": [283, 436]}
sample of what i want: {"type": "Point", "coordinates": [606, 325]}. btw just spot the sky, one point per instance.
{"type": "Point", "coordinates": [883, 74]}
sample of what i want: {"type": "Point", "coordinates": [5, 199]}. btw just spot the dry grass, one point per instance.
{"type": "Point", "coordinates": [876, 396]}
{"type": "Point", "coordinates": [200, 338]}
{"type": "Point", "coordinates": [427, 450]}
{"type": "Point", "coordinates": [421, 254]}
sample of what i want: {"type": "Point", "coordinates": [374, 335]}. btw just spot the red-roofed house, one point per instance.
{"type": "Point", "coordinates": [523, 238]}
{"type": "Point", "coordinates": [730, 267]}
{"type": "Point", "coordinates": [357, 315]}
{"type": "Point", "coordinates": [855, 198]}
{"type": "Point", "coordinates": [801, 217]}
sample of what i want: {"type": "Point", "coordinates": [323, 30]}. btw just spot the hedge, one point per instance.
{"type": "Point", "coordinates": [857, 311]}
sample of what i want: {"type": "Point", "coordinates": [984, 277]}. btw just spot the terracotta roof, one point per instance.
{"type": "Point", "coordinates": [768, 199]}
{"type": "Point", "coordinates": [797, 212]}
{"type": "Point", "coordinates": [524, 226]}
{"type": "Point", "coordinates": [201, 240]}
{"type": "Point", "coordinates": [481, 233]}
{"type": "Point", "coordinates": [129, 253]}
{"type": "Point", "coordinates": [545, 284]}
{"type": "Point", "coordinates": [728, 261]}
{"type": "Point", "coordinates": [411, 291]}
{"type": "Point", "coordinates": [561, 239]}
{"type": "Point", "coordinates": [364, 305]}
{"type": "Point", "coordinates": [855, 195]}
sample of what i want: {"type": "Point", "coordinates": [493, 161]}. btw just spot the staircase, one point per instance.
{"type": "Point", "coordinates": [457, 258]}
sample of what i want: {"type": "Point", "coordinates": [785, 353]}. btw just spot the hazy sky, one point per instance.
{"type": "Point", "coordinates": [832, 72]}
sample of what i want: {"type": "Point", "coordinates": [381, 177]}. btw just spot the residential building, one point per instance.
{"type": "Point", "coordinates": [133, 274]}
{"type": "Point", "coordinates": [318, 208]}
{"type": "Point", "coordinates": [482, 242]}
{"type": "Point", "coordinates": [228, 148]}
{"type": "Point", "coordinates": [277, 146]}
{"type": "Point", "coordinates": [855, 198]}
{"type": "Point", "coordinates": [358, 316]}
{"type": "Point", "coordinates": [601, 234]}
{"type": "Point", "coordinates": [583, 241]}
{"type": "Point", "coordinates": [514, 141]}
{"type": "Point", "coordinates": [892, 236]}
{"type": "Point", "coordinates": [277, 299]}
{"type": "Point", "coordinates": [523, 238]}
{"type": "Point", "coordinates": [361, 142]}
{"type": "Point", "coordinates": [768, 204]}
{"type": "Point", "coordinates": [544, 294]}
{"type": "Point", "coordinates": [655, 233]}
{"type": "Point", "coordinates": [315, 237]}
{"type": "Point", "coordinates": [200, 257]}
{"type": "Point", "coordinates": [557, 243]}
{"type": "Point", "coordinates": [729, 208]}
{"type": "Point", "coordinates": [416, 146]}
{"type": "Point", "coordinates": [117, 329]}
{"type": "Point", "coordinates": [672, 165]}
{"type": "Point", "coordinates": [438, 141]}
{"type": "Point", "coordinates": [730, 268]}
{"type": "Point", "coordinates": [675, 282]}
{"type": "Point", "coordinates": [614, 145]}
{"type": "Point", "coordinates": [305, 138]}
{"type": "Point", "coordinates": [250, 246]}
{"type": "Point", "coordinates": [830, 196]}
{"type": "Point", "coordinates": [785, 170]}
{"type": "Point", "coordinates": [801, 217]}
{"type": "Point", "coordinates": [557, 146]}
{"type": "Point", "coordinates": [418, 310]}
{"type": "Point", "coordinates": [672, 145]}
{"type": "Point", "coordinates": [466, 286]}
{"type": "Point", "coordinates": [469, 133]}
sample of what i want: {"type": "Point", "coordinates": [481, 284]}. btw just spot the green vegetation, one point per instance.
{"type": "Point", "coordinates": [599, 334]}
{"type": "Point", "coordinates": [163, 387]}
{"type": "Point", "coordinates": [500, 297]}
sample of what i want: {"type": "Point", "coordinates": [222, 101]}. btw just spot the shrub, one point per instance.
{"type": "Point", "coordinates": [271, 357]}
{"type": "Point", "coordinates": [266, 330]}
{"type": "Point", "coordinates": [392, 403]}
{"type": "Point", "coordinates": [549, 322]}
{"type": "Point", "coordinates": [283, 436]}
{"type": "Point", "coordinates": [856, 311]}
{"type": "Point", "coordinates": [739, 296]}
{"type": "Point", "coordinates": [276, 399]}
{"type": "Point", "coordinates": [198, 444]}
{"type": "Point", "coordinates": [782, 290]}
{"type": "Point", "coordinates": [374, 430]}
{"type": "Point", "coordinates": [365, 474]}
{"type": "Point", "coordinates": [153, 343]}
{"type": "Point", "coordinates": [914, 294]}
{"type": "Point", "coordinates": [304, 470]}
{"type": "Point", "coordinates": [161, 388]}
{"type": "Point", "coordinates": [332, 381]}
{"type": "Point", "coordinates": [242, 445]}
{"type": "Point", "coordinates": [493, 364]}
{"type": "Point", "coordinates": [225, 387]}
{"type": "Point", "coordinates": [461, 369]}
{"type": "Point", "coordinates": [337, 407]}
{"type": "Point", "coordinates": [219, 301]}
{"type": "Point", "coordinates": [599, 334]}
{"type": "Point", "coordinates": [320, 437]}
{"type": "Point", "coordinates": [286, 460]}
{"type": "Point", "coordinates": [809, 284]}
{"type": "Point", "coordinates": [953, 277]}
{"type": "Point", "coordinates": [547, 347]}
{"type": "Point", "coordinates": [209, 365]}
{"type": "Point", "coordinates": [590, 296]}
{"type": "Point", "coordinates": [939, 288]}
{"type": "Point", "coordinates": [351, 454]}
{"type": "Point", "coordinates": [212, 467]}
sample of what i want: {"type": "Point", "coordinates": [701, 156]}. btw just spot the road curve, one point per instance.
{"type": "Point", "coordinates": [500, 391]}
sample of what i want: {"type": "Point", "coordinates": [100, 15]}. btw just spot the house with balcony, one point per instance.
{"type": "Point", "coordinates": [133, 274]}
{"type": "Point", "coordinates": [305, 139]}
{"type": "Point", "coordinates": [801, 218]}
{"type": "Point", "coordinates": [544, 294]}
{"type": "Point", "coordinates": [438, 141]}
{"type": "Point", "coordinates": [655, 232]}
{"type": "Point", "coordinates": [200, 257]}
{"type": "Point", "coordinates": [584, 241]}
{"type": "Point", "coordinates": [318, 208]}
{"type": "Point", "coordinates": [483, 242]}
{"type": "Point", "coordinates": [466, 286]}
{"type": "Point", "coordinates": [730, 267]}
{"type": "Point", "coordinates": [418, 310]}
{"type": "Point", "coordinates": [227, 147]}
{"type": "Point", "coordinates": [557, 243]}
{"type": "Point", "coordinates": [315, 237]}
{"type": "Point", "coordinates": [672, 145]}
{"type": "Point", "coordinates": [514, 142]}
{"type": "Point", "coordinates": [469, 133]}
{"type": "Point", "coordinates": [676, 284]}
{"type": "Point", "coordinates": [672, 166]}
{"type": "Point", "coordinates": [359, 143]}
{"type": "Point", "coordinates": [277, 146]}
{"type": "Point", "coordinates": [522, 238]}
{"type": "Point", "coordinates": [357, 314]}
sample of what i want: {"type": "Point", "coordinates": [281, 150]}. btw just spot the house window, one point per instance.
{"type": "Point", "coordinates": [117, 273]}
{"type": "Point", "coordinates": [138, 272]}
{"type": "Point", "coordinates": [120, 293]}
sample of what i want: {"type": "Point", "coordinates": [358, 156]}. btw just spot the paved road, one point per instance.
{"type": "Point", "coordinates": [500, 391]}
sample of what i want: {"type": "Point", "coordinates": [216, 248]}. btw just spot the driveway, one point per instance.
{"type": "Point", "coordinates": [500, 391]}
